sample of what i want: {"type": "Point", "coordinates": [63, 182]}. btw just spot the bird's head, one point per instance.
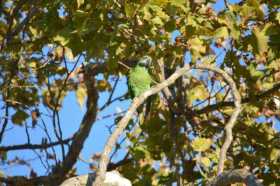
{"type": "Point", "coordinates": [145, 61]}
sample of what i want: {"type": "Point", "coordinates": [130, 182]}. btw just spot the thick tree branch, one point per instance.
{"type": "Point", "coordinates": [22, 180]}
{"type": "Point", "coordinates": [140, 99]}
{"type": "Point", "coordinates": [124, 161]}
{"type": "Point", "coordinates": [235, 176]}
{"type": "Point", "coordinates": [83, 132]}
{"type": "Point", "coordinates": [59, 172]}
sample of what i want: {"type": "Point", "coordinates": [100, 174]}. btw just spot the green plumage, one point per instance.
{"type": "Point", "coordinates": [139, 79]}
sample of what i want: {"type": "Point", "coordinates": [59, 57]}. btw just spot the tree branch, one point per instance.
{"type": "Point", "coordinates": [137, 101]}
{"type": "Point", "coordinates": [84, 130]}
{"type": "Point", "coordinates": [33, 146]}
{"type": "Point", "coordinates": [157, 88]}
{"type": "Point", "coordinates": [5, 123]}
{"type": "Point", "coordinates": [234, 116]}
{"type": "Point", "coordinates": [234, 176]}
{"type": "Point", "coordinates": [259, 96]}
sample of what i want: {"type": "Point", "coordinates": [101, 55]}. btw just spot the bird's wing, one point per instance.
{"type": "Point", "coordinates": [139, 80]}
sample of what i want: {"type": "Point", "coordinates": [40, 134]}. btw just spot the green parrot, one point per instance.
{"type": "Point", "coordinates": [139, 78]}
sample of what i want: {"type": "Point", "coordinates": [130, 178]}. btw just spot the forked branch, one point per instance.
{"type": "Point", "coordinates": [104, 160]}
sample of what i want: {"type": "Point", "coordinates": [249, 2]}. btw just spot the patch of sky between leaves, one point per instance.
{"type": "Point", "coordinates": [274, 120]}
{"type": "Point", "coordinates": [220, 4]}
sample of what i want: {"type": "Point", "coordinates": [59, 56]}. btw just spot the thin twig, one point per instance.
{"type": "Point", "coordinates": [226, 4]}
{"type": "Point", "coordinates": [33, 146]}
{"type": "Point", "coordinates": [121, 63]}
{"type": "Point", "coordinates": [5, 123]}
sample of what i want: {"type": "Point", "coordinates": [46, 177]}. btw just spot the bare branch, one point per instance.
{"type": "Point", "coordinates": [33, 146]}
{"type": "Point", "coordinates": [5, 123]}
{"type": "Point", "coordinates": [226, 4]}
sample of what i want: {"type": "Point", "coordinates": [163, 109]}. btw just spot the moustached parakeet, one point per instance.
{"type": "Point", "coordinates": [139, 78]}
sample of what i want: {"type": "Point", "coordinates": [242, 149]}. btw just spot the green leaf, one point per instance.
{"type": "Point", "coordinates": [19, 117]}
{"type": "Point", "coordinates": [221, 32]}
{"type": "Point", "coordinates": [179, 4]}
{"type": "Point", "coordinates": [201, 144]}
{"type": "Point", "coordinates": [140, 152]}
{"type": "Point", "coordinates": [130, 9]}
{"type": "Point", "coordinates": [261, 40]}
{"type": "Point", "coordinates": [254, 72]}
{"type": "Point", "coordinates": [197, 47]}
{"type": "Point", "coordinates": [274, 154]}
{"type": "Point", "coordinates": [230, 20]}
{"type": "Point", "coordinates": [81, 94]}
{"type": "Point", "coordinates": [158, 2]}
{"type": "Point", "coordinates": [157, 21]}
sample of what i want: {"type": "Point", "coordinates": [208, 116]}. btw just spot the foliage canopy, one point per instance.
{"type": "Point", "coordinates": [51, 48]}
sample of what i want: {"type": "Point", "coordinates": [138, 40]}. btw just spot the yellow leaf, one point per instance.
{"type": "Point", "coordinates": [198, 93]}
{"type": "Point", "coordinates": [261, 40]}
{"type": "Point", "coordinates": [205, 161]}
{"type": "Point", "coordinates": [61, 40]}
{"type": "Point", "coordinates": [228, 110]}
{"type": "Point", "coordinates": [80, 2]}
{"type": "Point", "coordinates": [274, 154]}
{"type": "Point", "coordinates": [58, 52]}
{"type": "Point", "coordinates": [157, 21]}
{"type": "Point", "coordinates": [159, 2]}
{"type": "Point", "coordinates": [103, 85]}
{"type": "Point", "coordinates": [33, 31]}
{"type": "Point", "coordinates": [147, 14]}
{"type": "Point", "coordinates": [68, 53]}
{"type": "Point", "coordinates": [81, 94]}
{"type": "Point", "coordinates": [209, 59]}
{"type": "Point", "coordinates": [278, 17]}
{"type": "Point", "coordinates": [221, 32]}
{"type": "Point", "coordinates": [197, 47]}
{"type": "Point", "coordinates": [201, 144]}
{"type": "Point", "coordinates": [220, 96]}
{"type": "Point", "coordinates": [120, 48]}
